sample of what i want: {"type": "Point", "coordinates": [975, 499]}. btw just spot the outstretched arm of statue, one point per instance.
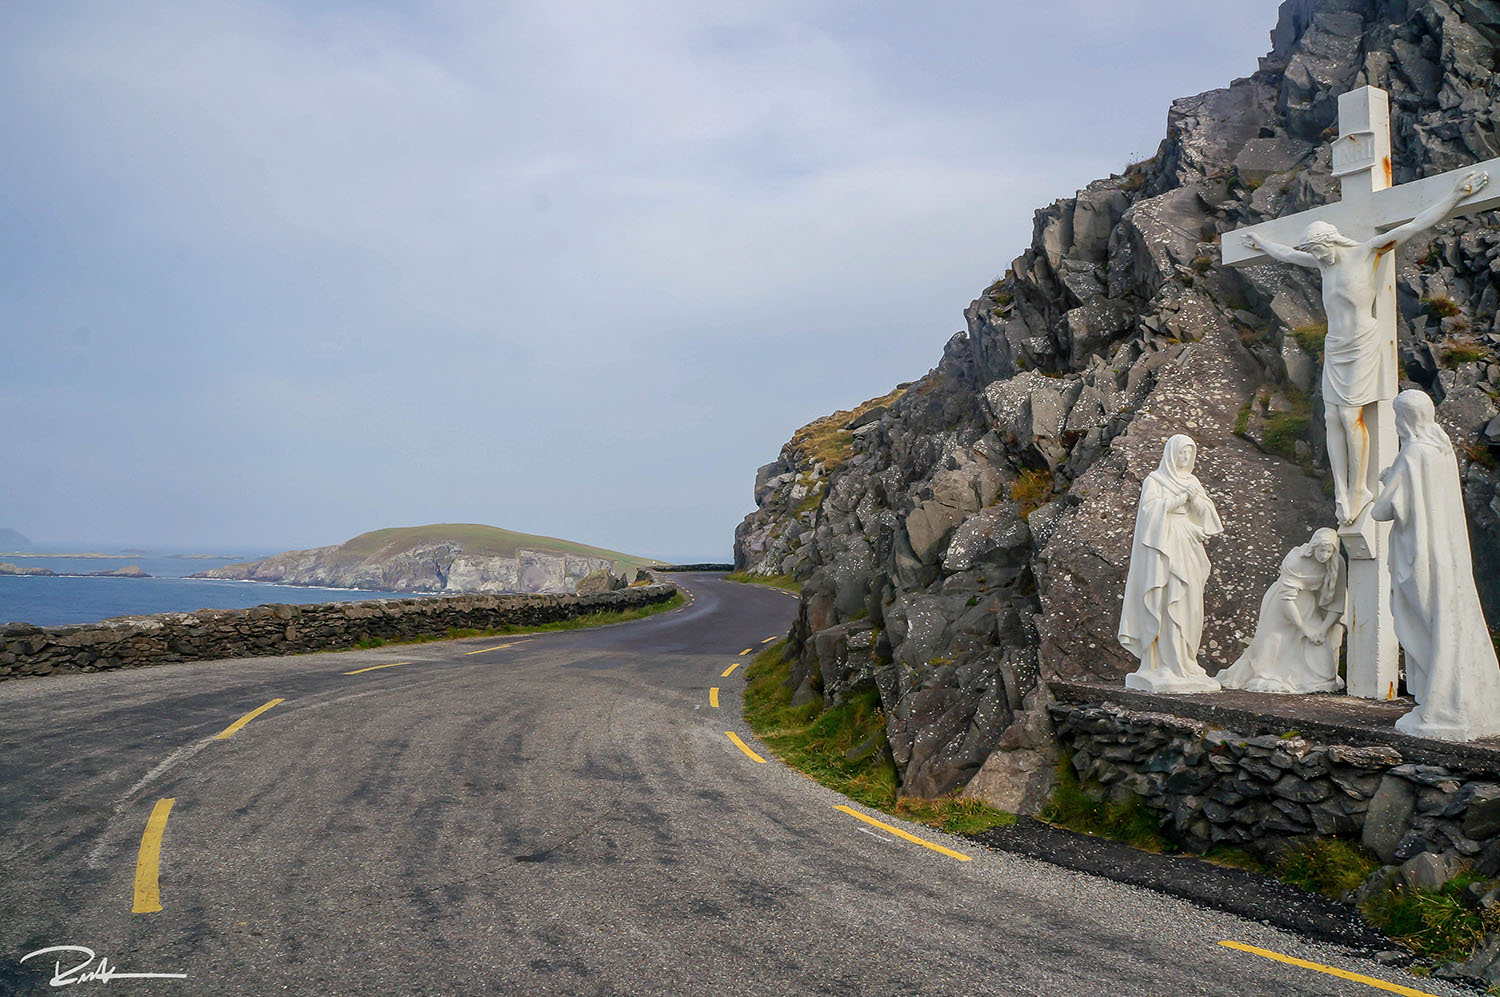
{"type": "Point", "coordinates": [1276, 251]}
{"type": "Point", "coordinates": [1472, 181]}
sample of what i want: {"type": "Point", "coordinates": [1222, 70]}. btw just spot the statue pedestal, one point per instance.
{"type": "Point", "coordinates": [1169, 683]}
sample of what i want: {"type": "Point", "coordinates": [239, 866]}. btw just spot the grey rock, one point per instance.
{"type": "Point", "coordinates": [1386, 818]}
{"type": "Point", "coordinates": [1430, 870]}
{"type": "Point", "coordinates": [1482, 819]}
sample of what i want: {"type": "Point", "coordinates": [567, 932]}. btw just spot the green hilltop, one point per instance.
{"type": "Point", "coordinates": [474, 538]}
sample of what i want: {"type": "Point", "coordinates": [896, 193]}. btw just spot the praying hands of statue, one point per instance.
{"type": "Point", "coordinates": [1354, 374]}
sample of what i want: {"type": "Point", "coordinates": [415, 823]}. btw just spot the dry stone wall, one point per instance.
{"type": "Point", "coordinates": [137, 641]}
{"type": "Point", "coordinates": [1213, 786]}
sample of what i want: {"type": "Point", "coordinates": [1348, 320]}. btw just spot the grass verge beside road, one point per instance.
{"type": "Point", "coordinates": [787, 583]}
{"type": "Point", "coordinates": [845, 748]}
{"type": "Point", "coordinates": [576, 623]}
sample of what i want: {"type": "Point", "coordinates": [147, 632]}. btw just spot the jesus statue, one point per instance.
{"type": "Point", "coordinates": [1359, 357]}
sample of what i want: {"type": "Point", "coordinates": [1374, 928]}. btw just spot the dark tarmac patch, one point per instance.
{"type": "Point", "coordinates": [1246, 894]}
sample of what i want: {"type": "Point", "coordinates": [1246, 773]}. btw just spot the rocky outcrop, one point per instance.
{"type": "Point", "coordinates": [971, 537]}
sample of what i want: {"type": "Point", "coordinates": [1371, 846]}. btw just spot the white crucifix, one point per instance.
{"type": "Point", "coordinates": [1351, 242]}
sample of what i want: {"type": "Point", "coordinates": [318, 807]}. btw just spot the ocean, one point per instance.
{"type": "Point", "coordinates": [50, 602]}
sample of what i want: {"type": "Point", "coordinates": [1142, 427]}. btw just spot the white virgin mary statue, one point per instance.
{"type": "Point", "coordinates": [1450, 660]}
{"type": "Point", "coordinates": [1162, 620]}
{"type": "Point", "coordinates": [1296, 644]}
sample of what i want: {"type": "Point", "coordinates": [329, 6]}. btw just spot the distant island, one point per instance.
{"type": "Point", "coordinates": [129, 571]}
{"type": "Point", "coordinates": [441, 557]}
{"type": "Point", "coordinates": [13, 538]}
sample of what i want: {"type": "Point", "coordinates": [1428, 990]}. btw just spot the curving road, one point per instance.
{"type": "Point", "coordinates": [559, 814]}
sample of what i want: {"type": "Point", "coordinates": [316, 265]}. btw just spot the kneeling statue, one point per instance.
{"type": "Point", "coordinates": [1297, 640]}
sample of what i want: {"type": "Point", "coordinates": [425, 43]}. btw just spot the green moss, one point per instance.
{"type": "Point", "coordinates": [1311, 337]}
{"type": "Point", "coordinates": [1242, 421]}
{"type": "Point", "coordinates": [1202, 264]}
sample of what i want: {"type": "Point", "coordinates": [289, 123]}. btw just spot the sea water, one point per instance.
{"type": "Point", "coordinates": [49, 602]}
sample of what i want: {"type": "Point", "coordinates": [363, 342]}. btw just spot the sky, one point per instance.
{"type": "Point", "coordinates": [273, 274]}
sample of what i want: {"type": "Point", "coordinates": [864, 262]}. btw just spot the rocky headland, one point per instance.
{"type": "Point", "coordinates": [964, 540]}
{"type": "Point", "coordinates": [444, 557]}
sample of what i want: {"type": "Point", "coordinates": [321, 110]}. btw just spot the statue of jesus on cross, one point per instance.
{"type": "Point", "coordinates": [1358, 361]}
{"type": "Point", "coordinates": [1350, 242]}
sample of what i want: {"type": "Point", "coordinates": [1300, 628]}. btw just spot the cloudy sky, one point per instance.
{"type": "Point", "coordinates": [274, 274]}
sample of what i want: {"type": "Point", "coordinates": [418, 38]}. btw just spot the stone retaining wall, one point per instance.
{"type": "Point", "coordinates": [1212, 786]}
{"type": "Point", "coordinates": [136, 641]}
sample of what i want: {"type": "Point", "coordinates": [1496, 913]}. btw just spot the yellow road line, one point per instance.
{"type": "Point", "coordinates": [746, 651]}
{"type": "Point", "coordinates": [769, 639]}
{"type": "Point", "coordinates": [148, 862]}
{"type": "Point", "coordinates": [497, 647]}
{"type": "Point", "coordinates": [744, 747]}
{"type": "Point", "coordinates": [902, 834]}
{"type": "Point", "coordinates": [713, 697]}
{"type": "Point", "coordinates": [725, 673]}
{"type": "Point", "coordinates": [234, 728]}
{"type": "Point", "coordinates": [361, 671]}
{"type": "Point", "coordinates": [1343, 974]}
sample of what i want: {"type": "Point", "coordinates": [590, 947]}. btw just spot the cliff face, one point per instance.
{"type": "Point", "coordinates": [451, 559]}
{"type": "Point", "coordinates": [971, 535]}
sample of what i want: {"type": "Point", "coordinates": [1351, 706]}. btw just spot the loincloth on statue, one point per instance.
{"type": "Point", "coordinates": [1359, 369]}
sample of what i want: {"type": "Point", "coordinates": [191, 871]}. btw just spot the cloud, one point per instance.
{"type": "Point", "coordinates": [554, 265]}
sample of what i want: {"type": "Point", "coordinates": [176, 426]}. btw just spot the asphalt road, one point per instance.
{"type": "Point", "coordinates": [562, 815]}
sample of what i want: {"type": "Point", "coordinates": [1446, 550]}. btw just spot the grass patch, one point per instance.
{"type": "Point", "coordinates": [816, 741]}
{"type": "Point", "coordinates": [1031, 490]}
{"type": "Point", "coordinates": [1311, 337]}
{"type": "Point", "coordinates": [1127, 821]}
{"type": "Point", "coordinates": [1242, 421]}
{"type": "Point", "coordinates": [1333, 867]}
{"type": "Point", "coordinates": [1458, 353]}
{"type": "Point", "coordinates": [954, 814]}
{"type": "Point", "coordinates": [819, 743]}
{"type": "Point", "coordinates": [1441, 306]}
{"type": "Point", "coordinates": [1435, 924]}
{"type": "Point", "coordinates": [576, 623]}
{"type": "Point", "coordinates": [1284, 429]}
{"type": "Point", "coordinates": [787, 583]}
{"type": "Point", "coordinates": [1202, 264]}
{"type": "Point", "coordinates": [826, 440]}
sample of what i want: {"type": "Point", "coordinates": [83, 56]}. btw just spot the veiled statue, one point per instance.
{"type": "Point", "coordinates": [1297, 639]}
{"type": "Point", "coordinates": [1162, 619]}
{"type": "Point", "coordinates": [1450, 659]}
